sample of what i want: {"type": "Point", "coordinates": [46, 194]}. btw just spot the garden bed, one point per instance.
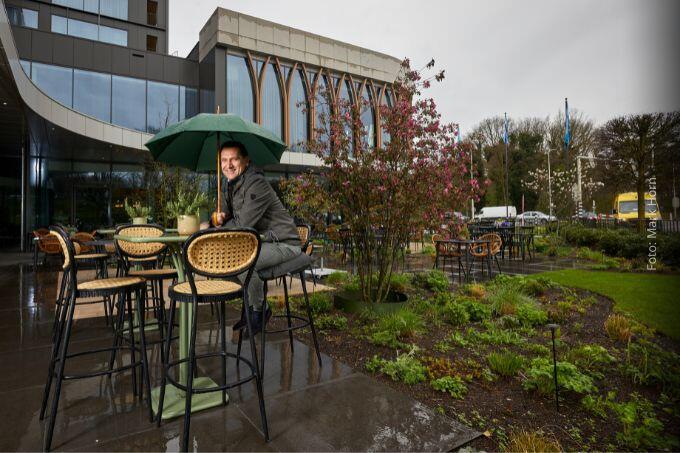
{"type": "Point", "coordinates": [450, 351]}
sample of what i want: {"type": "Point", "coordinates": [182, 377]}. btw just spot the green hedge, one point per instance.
{"type": "Point", "coordinates": [623, 243]}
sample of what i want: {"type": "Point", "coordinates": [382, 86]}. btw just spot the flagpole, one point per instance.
{"type": "Point", "coordinates": [507, 215]}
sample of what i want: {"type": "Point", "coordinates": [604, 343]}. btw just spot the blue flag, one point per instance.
{"type": "Point", "coordinates": [567, 131]}
{"type": "Point", "coordinates": [505, 133]}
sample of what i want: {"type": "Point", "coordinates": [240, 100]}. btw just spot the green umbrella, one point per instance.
{"type": "Point", "coordinates": [193, 143]}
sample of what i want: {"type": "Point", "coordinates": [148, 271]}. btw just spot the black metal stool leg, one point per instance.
{"type": "Point", "coordinates": [264, 327]}
{"type": "Point", "coordinates": [142, 339]}
{"type": "Point", "coordinates": [164, 380]}
{"type": "Point", "coordinates": [290, 332]}
{"type": "Point", "coordinates": [256, 368]}
{"type": "Point", "coordinates": [131, 339]}
{"type": "Point", "coordinates": [311, 318]}
{"type": "Point", "coordinates": [223, 332]}
{"type": "Point", "coordinates": [118, 326]}
{"type": "Point", "coordinates": [190, 378]}
{"type": "Point", "coordinates": [60, 373]}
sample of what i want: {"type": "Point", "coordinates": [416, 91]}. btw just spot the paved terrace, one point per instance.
{"type": "Point", "coordinates": [309, 408]}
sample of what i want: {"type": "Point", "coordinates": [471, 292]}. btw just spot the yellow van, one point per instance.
{"type": "Point", "coordinates": [626, 206]}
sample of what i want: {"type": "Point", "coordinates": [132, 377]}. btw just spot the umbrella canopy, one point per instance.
{"type": "Point", "coordinates": [193, 143]}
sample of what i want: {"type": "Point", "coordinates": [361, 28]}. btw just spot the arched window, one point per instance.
{"type": "Point", "coordinates": [386, 100]}
{"type": "Point", "coordinates": [345, 90]}
{"type": "Point", "coordinates": [368, 116]}
{"type": "Point", "coordinates": [272, 114]}
{"type": "Point", "coordinates": [323, 109]}
{"type": "Point", "coordinates": [297, 112]}
{"type": "Point", "coordinates": [239, 88]}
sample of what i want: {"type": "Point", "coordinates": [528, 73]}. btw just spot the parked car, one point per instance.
{"type": "Point", "coordinates": [585, 215]}
{"type": "Point", "coordinates": [497, 212]}
{"type": "Point", "coordinates": [536, 217]}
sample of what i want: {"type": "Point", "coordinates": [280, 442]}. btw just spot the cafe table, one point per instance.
{"type": "Point", "coordinates": [174, 402]}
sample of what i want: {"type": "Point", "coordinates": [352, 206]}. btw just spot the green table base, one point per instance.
{"type": "Point", "coordinates": [174, 401]}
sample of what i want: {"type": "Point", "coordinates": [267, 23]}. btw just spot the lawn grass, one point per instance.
{"type": "Point", "coordinates": [653, 299]}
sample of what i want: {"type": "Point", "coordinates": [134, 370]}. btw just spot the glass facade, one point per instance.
{"type": "Point", "coordinates": [128, 108]}
{"type": "Point", "coordinates": [88, 30]}
{"type": "Point", "coordinates": [23, 17]}
{"type": "Point", "coordinates": [162, 101]}
{"type": "Point", "coordinates": [297, 112]}
{"type": "Point", "coordinates": [323, 110]}
{"type": "Point", "coordinates": [92, 94]}
{"type": "Point", "coordinates": [368, 116]}
{"type": "Point", "coordinates": [345, 90]}
{"type": "Point", "coordinates": [272, 114]}
{"type": "Point", "coordinates": [112, 8]}
{"type": "Point", "coordinates": [386, 100]}
{"type": "Point", "coordinates": [55, 81]}
{"type": "Point", "coordinates": [138, 104]}
{"type": "Point", "coordinates": [239, 88]}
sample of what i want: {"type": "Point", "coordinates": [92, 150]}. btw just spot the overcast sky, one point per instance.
{"type": "Point", "coordinates": [609, 57]}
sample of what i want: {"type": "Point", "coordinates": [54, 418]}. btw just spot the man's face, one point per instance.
{"type": "Point", "coordinates": [232, 163]}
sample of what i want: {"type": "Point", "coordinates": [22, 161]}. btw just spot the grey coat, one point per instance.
{"type": "Point", "coordinates": [249, 201]}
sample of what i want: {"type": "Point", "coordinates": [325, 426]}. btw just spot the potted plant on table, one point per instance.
{"type": "Point", "coordinates": [138, 213]}
{"type": "Point", "coordinates": [186, 208]}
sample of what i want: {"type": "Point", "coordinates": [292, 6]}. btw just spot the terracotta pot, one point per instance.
{"type": "Point", "coordinates": [139, 220]}
{"type": "Point", "coordinates": [187, 224]}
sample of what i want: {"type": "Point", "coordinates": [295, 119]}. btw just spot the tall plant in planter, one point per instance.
{"type": "Point", "coordinates": [386, 192]}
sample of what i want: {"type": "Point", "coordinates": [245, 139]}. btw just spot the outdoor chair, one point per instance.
{"type": "Point", "coordinates": [485, 250]}
{"type": "Point", "coordinates": [307, 247]}
{"type": "Point", "coordinates": [47, 244]}
{"type": "Point", "coordinates": [72, 290]}
{"type": "Point", "coordinates": [297, 266]}
{"type": "Point", "coordinates": [130, 255]}
{"type": "Point", "coordinates": [447, 251]}
{"type": "Point", "coordinates": [219, 253]}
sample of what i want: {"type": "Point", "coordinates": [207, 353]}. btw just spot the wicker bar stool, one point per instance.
{"type": "Point", "coordinates": [219, 253]}
{"type": "Point", "coordinates": [132, 254]}
{"type": "Point", "coordinates": [295, 266]}
{"type": "Point", "coordinates": [487, 249]}
{"type": "Point", "coordinates": [86, 255]}
{"type": "Point", "coordinates": [95, 288]}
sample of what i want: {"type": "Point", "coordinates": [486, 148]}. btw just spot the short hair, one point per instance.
{"type": "Point", "coordinates": [234, 144]}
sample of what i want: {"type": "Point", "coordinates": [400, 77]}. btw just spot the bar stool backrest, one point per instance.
{"type": "Point", "coordinates": [68, 251]}
{"type": "Point", "coordinates": [80, 238]}
{"type": "Point", "coordinates": [129, 249]}
{"type": "Point", "coordinates": [222, 252]}
{"type": "Point", "coordinates": [305, 233]}
{"type": "Point", "coordinates": [495, 242]}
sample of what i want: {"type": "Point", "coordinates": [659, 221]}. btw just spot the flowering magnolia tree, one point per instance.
{"type": "Point", "coordinates": [385, 193]}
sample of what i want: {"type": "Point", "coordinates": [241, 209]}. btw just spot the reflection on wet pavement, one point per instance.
{"type": "Point", "coordinates": [309, 407]}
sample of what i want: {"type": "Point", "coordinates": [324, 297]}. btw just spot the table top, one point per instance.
{"type": "Point", "coordinates": [166, 239]}
{"type": "Point", "coordinates": [113, 230]}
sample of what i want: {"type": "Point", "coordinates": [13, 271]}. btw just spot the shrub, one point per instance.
{"type": "Point", "coordinates": [540, 377]}
{"type": "Point", "coordinates": [320, 302]}
{"type": "Point", "coordinates": [455, 314]}
{"type": "Point", "coordinates": [429, 250]}
{"type": "Point", "coordinates": [618, 327]}
{"type": "Point", "coordinates": [330, 322]}
{"type": "Point", "coordinates": [475, 290]}
{"type": "Point", "coordinates": [442, 299]}
{"type": "Point", "coordinates": [641, 430]}
{"type": "Point", "coordinates": [495, 335]}
{"type": "Point", "coordinates": [526, 441]}
{"type": "Point", "coordinates": [337, 278]}
{"type": "Point", "coordinates": [400, 282]}
{"type": "Point", "coordinates": [505, 363]}
{"type": "Point", "coordinates": [453, 385]}
{"type": "Point", "coordinates": [477, 311]}
{"type": "Point", "coordinates": [405, 368]}
{"type": "Point", "coordinates": [530, 315]}
{"type": "Point", "coordinates": [439, 367]}
{"type": "Point", "coordinates": [648, 364]}
{"type": "Point", "coordinates": [434, 280]}
{"type": "Point", "coordinates": [505, 299]}
{"type": "Point", "coordinates": [590, 357]}
{"type": "Point", "coordinates": [397, 326]}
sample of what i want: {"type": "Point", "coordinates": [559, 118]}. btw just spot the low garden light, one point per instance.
{"type": "Point", "coordinates": [553, 328]}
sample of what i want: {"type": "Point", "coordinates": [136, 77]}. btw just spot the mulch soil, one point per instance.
{"type": "Point", "coordinates": [501, 407]}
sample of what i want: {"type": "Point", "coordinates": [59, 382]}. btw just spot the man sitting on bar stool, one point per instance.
{"type": "Point", "coordinates": [249, 201]}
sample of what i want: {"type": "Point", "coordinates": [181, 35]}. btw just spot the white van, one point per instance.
{"type": "Point", "coordinates": [497, 212]}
